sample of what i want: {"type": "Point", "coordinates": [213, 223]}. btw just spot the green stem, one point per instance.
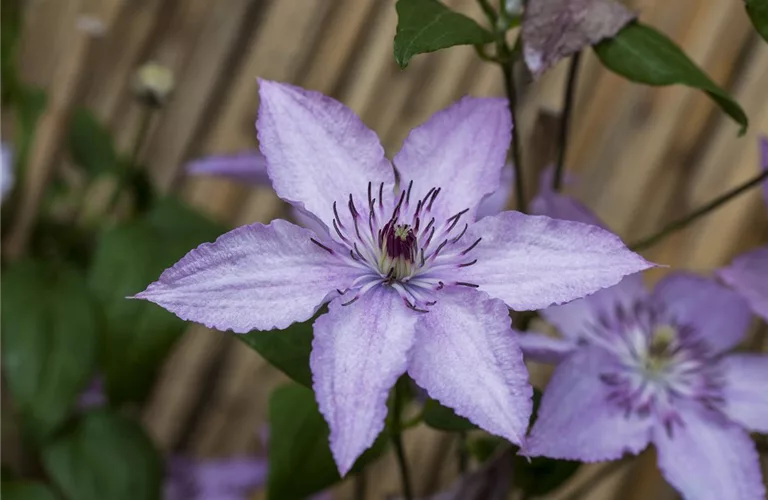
{"type": "Point", "coordinates": [138, 142]}
{"type": "Point", "coordinates": [565, 118]}
{"type": "Point", "coordinates": [360, 485]}
{"type": "Point", "coordinates": [397, 440]}
{"type": "Point", "coordinates": [680, 223]}
{"type": "Point", "coordinates": [509, 85]}
{"type": "Point", "coordinates": [461, 452]}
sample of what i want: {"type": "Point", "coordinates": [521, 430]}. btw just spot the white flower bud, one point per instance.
{"type": "Point", "coordinates": [153, 83]}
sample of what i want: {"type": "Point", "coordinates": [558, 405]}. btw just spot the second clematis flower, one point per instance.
{"type": "Point", "coordinates": [414, 283]}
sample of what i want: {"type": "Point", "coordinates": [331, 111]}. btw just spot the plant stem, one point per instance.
{"type": "Point", "coordinates": [509, 85]}
{"type": "Point", "coordinates": [461, 452]}
{"type": "Point", "coordinates": [397, 440]}
{"type": "Point", "coordinates": [679, 224]}
{"type": "Point", "coordinates": [565, 118]}
{"type": "Point", "coordinates": [147, 113]}
{"type": "Point", "coordinates": [360, 485]}
{"type": "Point", "coordinates": [594, 481]}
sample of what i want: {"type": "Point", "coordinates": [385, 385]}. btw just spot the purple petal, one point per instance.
{"type": "Point", "coordinates": [532, 262]}
{"type": "Point", "coordinates": [250, 167]}
{"type": "Point", "coordinates": [559, 206]}
{"type": "Point", "coordinates": [93, 395]}
{"type": "Point", "coordinates": [709, 458]}
{"type": "Point", "coordinates": [467, 357]}
{"type": "Point", "coordinates": [497, 201]}
{"type": "Point", "coordinates": [240, 474]}
{"type": "Point", "coordinates": [254, 277]}
{"type": "Point", "coordinates": [554, 29]}
{"type": "Point", "coordinates": [7, 177]}
{"type": "Point", "coordinates": [462, 150]}
{"type": "Point", "coordinates": [717, 315]}
{"type": "Point", "coordinates": [746, 395]}
{"type": "Point", "coordinates": [571, 318]}
{"type": "Point", "coordinates": [577, 422]}
{"type": "Point", "coordinates": [358, 353]}
{"type": "Point", "coordinates": [748, 275]}
{"type": "Point", "coordinates": [544, 348]}
{"type": "Point", "coordinates": [764, 161]}
{"type": "Point", "coordinates": [318, 151]}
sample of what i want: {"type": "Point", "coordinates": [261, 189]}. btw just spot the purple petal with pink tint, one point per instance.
{"type": "Point", "coordinates": [748, 275]}
{"type": "Point", "coordinates": [255, 277]}
{"type": "Point", "coordinates": [358, 353]}
{"type": "Point", "coordinates": [746, 397]}
{"type": "Point", "coordinates": [577, 421]}
{"type": "Point", "coordinates": [709, 458]}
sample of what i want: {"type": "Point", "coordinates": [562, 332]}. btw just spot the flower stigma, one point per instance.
{"type": "Point", "coordinates": [405, 245]}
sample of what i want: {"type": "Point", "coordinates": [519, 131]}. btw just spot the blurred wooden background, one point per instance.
{"type": "Point", "coordinates": [643, 155]}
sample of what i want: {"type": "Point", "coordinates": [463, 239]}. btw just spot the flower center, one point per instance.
{"type": "Point", "coordinates": [659, 363]}
{"type": "Point", "coordinates": [405, 245]}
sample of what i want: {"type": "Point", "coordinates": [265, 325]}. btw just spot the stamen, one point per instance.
{"type": "Point", "coordinates": [381, 195]}
{"type": "Point", "coordinates": [467, 264]}
{"type": "Point", "coordinates": [413, 306]}
{"type": "Point", "coordinates": [455, 219]}
{"type": "Point", "coordinates": [456, 239]}
{"type": "Point", "coordinates": [408, 194]}
{"type": "Point", "coordinates": [351, 301]}
{"type": "Point", "coordinates": [336, 215]}
{"type": "Point", "coordinates": [370, 197]}
{"type": "Point", "coordinates": [352, 254]}
{"type": "Point", "coordinates": [352, 209]}
{"type": "Point", "coordinates": [473, 245]}
{"type": "Point", "coordinates": [470, 285]}
{"type": "Point", "coordinates": [336, 227]}
{"type": "Point", "coordinates": [429, 239]}
{"type": "Point", "coordinates": [440, 285]}
{"type": "Point", "coordinates": [321, 245]}
{"type": "Point", "coordinates": [434, 196]}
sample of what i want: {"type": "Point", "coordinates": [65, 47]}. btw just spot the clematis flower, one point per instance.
{"type": "Point", "coordinates": [748, 273]}
{"type": "Point", "coordinates": [554, 29]}
{"type": "Point", "coordinates": [7, 178]}
{"type": "Point", "coordinates": [637, 368]}
{"type": "Point", "coordinates": [414, 282]}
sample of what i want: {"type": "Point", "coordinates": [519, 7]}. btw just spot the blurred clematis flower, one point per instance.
{"type": "Point", "coordinates": [7, 177]}
{"type": "Point", "coordinates": [416, 284]}
{"type": "Point", "coordinates": [638, 367]}
{"type": "Point", "coordinates": [554, 29]}
{"type": "Point", "coordinates": [748, 273]}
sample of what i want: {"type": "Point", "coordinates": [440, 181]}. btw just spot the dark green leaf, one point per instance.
{"type": "Point", "coordinates": [643, 55]}
{"type": "Point", "coordinates": [30, 106]}
{"type": "Point", "coordinates": [25, 490]}
{"type": "Point", "coordinates": [138, 334]}
{"type": "Point", "coordinates": [443, 418]}
{"type": "Point", "coordinates": [10, 27]}
{"type": "Point", "coordinates": [300, 461]}
{"type": "Point", "coordinates": [287, 350]}
{"type": "Point", "coordinates": [427, 26]}
{"type": "Point", "coordinates": [50, 341]}
{"type": "Point", "coordinates": [90, 144]}
{"type": "Point", "coordinates": [483, 447]}
{"type": "Point", "coordinates": [105, 455]}
{"type": "Point", "coordinates": [540, 476]}
{"type": "Point", "coordinates": [758, 13]}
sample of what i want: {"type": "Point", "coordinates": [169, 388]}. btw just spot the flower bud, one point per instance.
{"type": "Point", "coordinates": [153, 83]}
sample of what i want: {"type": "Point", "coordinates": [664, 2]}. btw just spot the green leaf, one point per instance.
{"type": "Point", "coordinates": [30, 106]}
{"type": "Point", "coordinates": [138, 334]}
{"type": "Point", "coordinates": [758, 13]}
{"type": "Point", "coordinates": [443, 418]}
{"type": "Point", "coordinates": [25, 490]}
{"type": "Point", "coordinates": [288, 350]}
{"type": "Point", "coordinates": [427, 26]}
{"type": "Point", "coordinates": [643, 55]}
{"type": "Point", "coordinates": [10, 27]}
{"type": "Point", "coordinates": [105, 455]}
{"type": "Point", "coordinates": [539, 476]}
{"type": "Point", "coordinates": [300, 460]}
{"type": "Point", "coordinates": [91, 145]}
{"type": "Point", "coordinates": [49, 341]}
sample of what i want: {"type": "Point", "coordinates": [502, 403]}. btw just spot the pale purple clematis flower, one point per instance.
{"type": "Point", "coordinates": [554, 29]}
{"type": "Point", "coordinates": [415, 283]}
{"type": "Point", "coordinates": [7, 178]}
{"type": "Point", "coordinates": [218, 479]}
{"type": "Point", "coordinates": [638, 368]}
{"type": "Point", "coordinates": [748, 273]}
